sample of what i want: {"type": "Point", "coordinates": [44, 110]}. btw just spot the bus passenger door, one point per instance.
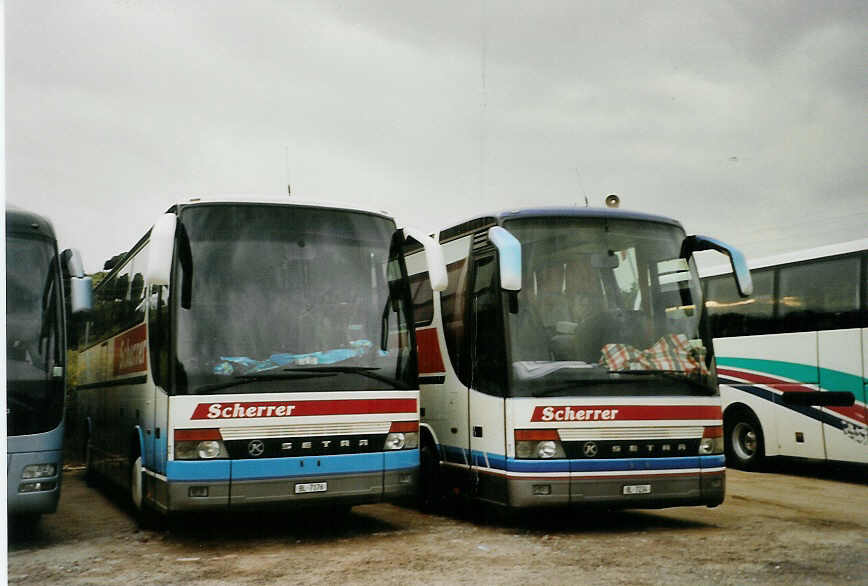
{"type": "Point", "coordinates": [842, 354]}
{"type": "Point", "coordinates": [487, 378]}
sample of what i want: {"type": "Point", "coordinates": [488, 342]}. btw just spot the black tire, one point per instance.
{"type": "Point", "coordinates": [428, 493]}
{"type": "Point", "coordinates": [744, 440]}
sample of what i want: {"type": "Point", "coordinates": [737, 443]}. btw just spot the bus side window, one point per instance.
{"type": "Point", "coordinates": [158, 333]}
{"type": "Point", "coordinates": [423, 299]}
{"type": "Point", "coordinates": [820, 295]}
{"type": "Point", "coordinates": [488, 368]}
{"type": "Point", "coordinates": [452, 303]}
{"type": "Point", "coordinates": [731, 315]}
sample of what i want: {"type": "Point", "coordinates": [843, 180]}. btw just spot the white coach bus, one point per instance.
{"type": "Point", "coordinates": [792, 358]}
{"type": "Point", "coordinates": [569, 362]}
{"type": "Point", "coordinates": [255, 353]}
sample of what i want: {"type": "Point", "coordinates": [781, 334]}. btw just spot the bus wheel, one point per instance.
{"type": "Point", "coordinates": [428, 494]}
{"type": "Point", "coordinates": [745, 447]}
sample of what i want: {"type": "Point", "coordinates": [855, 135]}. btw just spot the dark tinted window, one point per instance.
{"type": "Point", "coordinates": [487, 351]}
{"type": "Point", "coordinates": [732, 315]}
{"type": "Point", "coordinates": [34, 337]}
{"type": "Point", "coordinates": [119, 301]}
{"type": "Point", "coordinates": [423, 299]}
{"type": "Point", "coordinates": [452, 306]}
{"type": "Point", "coordinates": [820, 295]}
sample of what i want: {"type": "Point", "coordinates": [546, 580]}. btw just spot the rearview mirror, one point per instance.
{"type": "Point", "coordinates": [161, 247]}
{"type": "Point", "coordinates": [80, 285]}
{"type": "Point", "coordinates": [696, 243]}
{"type": "Point", "coordinates": [433, 258]}
{"type": "Point", "coordinates": [509, 250]}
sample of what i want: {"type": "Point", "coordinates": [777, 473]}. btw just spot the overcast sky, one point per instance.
{"type": "Point", "coordinates": [745, 120]}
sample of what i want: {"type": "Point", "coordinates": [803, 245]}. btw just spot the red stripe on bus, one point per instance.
{"type": "Point", "coordinates": [855, 411]}
{"type": "Point", "coordinates": [404, 426]}
{"type": "Point", "coordinates": [131, 351]}
{"type": "Point", "coordinates": [262, 409]}
{"type": "Point", "coordinates": [430, 359]}
{"type": "Point", "coordinates": [561, 413]}
{"type": "Point", "coordinates": [761, 379]}
{"type": "Point", "coordinates": [192, 435]}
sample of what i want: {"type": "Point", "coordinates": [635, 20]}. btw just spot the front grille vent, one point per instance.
{"type": "Point", "coordinates": [306, 430]}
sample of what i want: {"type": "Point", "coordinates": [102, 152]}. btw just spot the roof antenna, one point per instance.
{"type": "Point", "coordinates": [286, 162]}
{"type": "Point", "coordinates": [582, 187]}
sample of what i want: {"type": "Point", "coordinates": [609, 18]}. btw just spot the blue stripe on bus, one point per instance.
{"type": "Point", "coordinates": [812, 412]}
{"type": "Point", "coordinates": [198, 471]}
{"type": "Point", "coordinates": [223, 470]}
{"type": "Point", "coordinates": [307, 466]}
{"type": "Point", "coordinates": [401, 459]}
{"type": "Point", "coordinates": [499, 462]}
{"type": "Point", "coordinates": [614, 465]}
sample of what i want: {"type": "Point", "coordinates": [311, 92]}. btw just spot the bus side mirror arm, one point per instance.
{"type": "Point", "coordinates": [80, 285]}
{"type": "Point", "coordinates": [433, 257]}
{"type": "Point", "coordinates": [162, 246]}
{"type": "Point", "coordinates": [743, 280]}
{"type": "Point", "coordinates": [509, 250]}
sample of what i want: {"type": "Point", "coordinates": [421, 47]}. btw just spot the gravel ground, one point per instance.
{"type": "Point", "coordinates": [784, 527]}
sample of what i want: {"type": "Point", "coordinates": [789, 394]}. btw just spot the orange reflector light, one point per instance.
{"type": "Point", "coordinates": [536, 434]}
{"type": "Point", "coordinates": [714, 431]}
{"type": "Point", "coordinates": [197, 435]}
{"type": "Point", "coordinates": [404, 426]}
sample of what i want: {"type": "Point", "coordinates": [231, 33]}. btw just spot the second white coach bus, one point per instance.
{"type": "Point", "coordinates": [255, 353]}
{"type": "Point", "coordinates": [569, 362]}
{"type": "Point", "coordinates": [792, 358]}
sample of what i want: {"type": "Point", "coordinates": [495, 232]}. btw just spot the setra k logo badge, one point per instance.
{"type": "Point", "coordinates": [255, 448]}
{"type": "Point", "coordinates": [589, 449]}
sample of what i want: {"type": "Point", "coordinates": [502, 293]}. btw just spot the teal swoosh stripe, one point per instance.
{"type": "Point", "coordinates": [831, 379]}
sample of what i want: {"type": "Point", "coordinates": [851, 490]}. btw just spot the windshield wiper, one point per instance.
{"type": "Point", "coordinates": [243, 379]}
{"type": "Point", "coordinates": [366, 371]}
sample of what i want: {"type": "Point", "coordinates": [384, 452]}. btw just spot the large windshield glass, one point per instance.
{"type": "Point", "coordinates": [34, 395]}
{"type": "Point", "coordinates": [290, 299]}
{"type": "Point", "coordinates": [606, 307]}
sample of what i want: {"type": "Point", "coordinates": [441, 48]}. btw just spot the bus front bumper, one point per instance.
{"type": "Point", "coordinates": [701, 481]}
{"type": "Point", "coordinates": [33, 496]}
{"type": "Point", "coordinates": [292, 482]}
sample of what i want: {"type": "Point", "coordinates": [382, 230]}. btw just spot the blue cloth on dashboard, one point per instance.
{"type": "Point", "coordinates": [239, 365]}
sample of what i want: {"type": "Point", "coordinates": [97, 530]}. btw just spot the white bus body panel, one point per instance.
{"type": "Point", "coordinates": [760, 389]}
{"type": "Point", "coordinates": [839, 352]}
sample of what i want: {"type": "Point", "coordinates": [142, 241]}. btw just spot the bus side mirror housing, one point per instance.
{"type": "Point", "coordinates": [161, 247]}
{"type": "Point", "coordinates": [433, 257]}
{"type": "Point", "coordinates": [80, 285]}
{"type": "Point", "coordinates": [509, 250]}
{"type": "Point", "coordinates": [743, 281]}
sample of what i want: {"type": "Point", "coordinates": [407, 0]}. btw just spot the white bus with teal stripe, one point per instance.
{"type": "Point", "coordinates": [792, 358]}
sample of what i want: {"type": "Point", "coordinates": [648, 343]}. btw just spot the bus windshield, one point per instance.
{"type": "Point", "coordinates": [34, 396]}
{"type": "Point", "coordinates": [286, 298]}
{"type": "Point", "coordinates": [607, 307]}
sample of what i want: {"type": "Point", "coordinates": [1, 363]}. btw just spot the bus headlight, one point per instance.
{"type": "Point", "coordinates": [38, 471]}
{"type": "Point", "coordinates": [541, 444]}
{"type": "Point", "coordinates": [712, 441]}
{"type": "Point", "coordinates": [401, 441]}
{"type": "Point", "coordinates": [549, 449]}
{"type": "Point", "coordinates": [199, 444]}
{"type": "Point", "coordinates": [403, 435]}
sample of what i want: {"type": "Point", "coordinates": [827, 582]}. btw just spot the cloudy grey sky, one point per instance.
{"type": "Point", "coordinates": [745, 120]}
